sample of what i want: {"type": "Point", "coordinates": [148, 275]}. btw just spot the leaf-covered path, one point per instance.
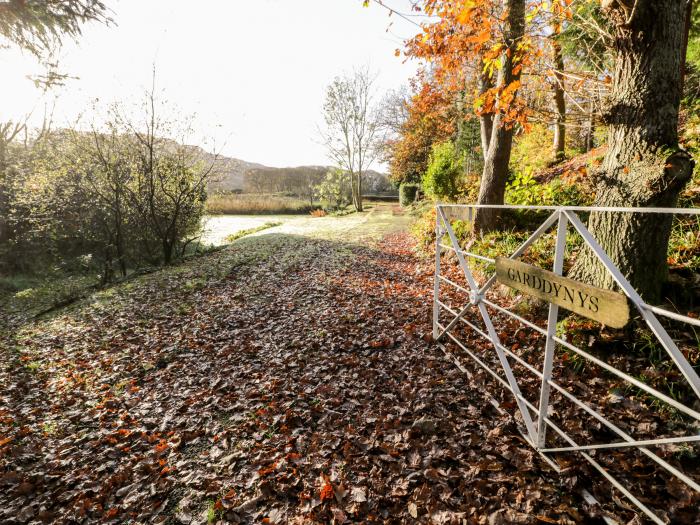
{"type": "Point", "coordinates": [284, 379]}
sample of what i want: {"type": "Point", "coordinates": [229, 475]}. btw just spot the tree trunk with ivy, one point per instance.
{"type": "Point", "coordinates": [644, 165]}
{"type": "Point", "coordinates": [495, 174]}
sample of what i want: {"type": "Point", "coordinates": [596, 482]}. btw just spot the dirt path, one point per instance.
{"type": "Point", "coordinates": [285, 378]}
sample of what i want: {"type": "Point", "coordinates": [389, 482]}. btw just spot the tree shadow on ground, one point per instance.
{"type": "Point", "coordinates": [285, 377]}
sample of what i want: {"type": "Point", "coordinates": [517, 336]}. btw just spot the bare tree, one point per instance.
{"type": "Point", "coordinates": [352, 126]}
{"type": "Point", "coordinates": [169, 178]}
{"type": "Point", "coordinates": [394, 109]}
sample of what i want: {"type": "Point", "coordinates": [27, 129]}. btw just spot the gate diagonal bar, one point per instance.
{"type": "Point", "coordinates": [536, 418]}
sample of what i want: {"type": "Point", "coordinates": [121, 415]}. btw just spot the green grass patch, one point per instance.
{"type": "Point", "coordinates": [243, 233]}
{"type": "Point", "coordinates": [684, 244]}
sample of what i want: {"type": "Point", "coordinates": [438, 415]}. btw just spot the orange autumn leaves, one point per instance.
{"type": "Point", "coordinates": [430, 117]}
{"type": "Point", "coordinates": [464, 41]}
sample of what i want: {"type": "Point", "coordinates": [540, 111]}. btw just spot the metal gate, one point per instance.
{"type": "Point", "coordinates": [479, 301]}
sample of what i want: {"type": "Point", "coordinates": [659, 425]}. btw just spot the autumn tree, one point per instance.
{"type": "Point", "coordinates": [644, 165]}
{"type": "Point", "coordinates": [487, 47]}
{"type": "Point", "coordinates": [482, 43]}
{"type": "Point", "coordinates": [497, 156]}
{"type": "Point", "coordinates": [429, 119]}
{"type": "Point", "coordinates": [558, 87]}
{"type": "Point", "coordinates": [352, 127]}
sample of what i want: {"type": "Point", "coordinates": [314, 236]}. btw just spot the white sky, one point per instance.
{"type": "Point", "coordinates": [253, 71]}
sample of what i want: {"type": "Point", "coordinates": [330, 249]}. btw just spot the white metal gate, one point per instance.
{"type": "Point", "coordinates": [477, 299]}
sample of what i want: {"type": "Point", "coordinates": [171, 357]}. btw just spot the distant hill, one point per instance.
{"type": "Point", "coordinates": [231, 174]}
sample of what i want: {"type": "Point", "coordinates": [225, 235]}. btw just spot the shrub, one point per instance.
{"type": "Point", "coordinates": [334, 190]}
{"type": "Point", "coordinates": [532, 151]}
{"type": "Point", "coordinates": [407, 193]}
{"type": "Point", "coordinates": [524, 190]}
{"type": "Point", "coordinates": [442, 179]}
{"type": "Point", "coordinates": [98, 204]}
{"type": "Point", "coordinates": [423, 231]}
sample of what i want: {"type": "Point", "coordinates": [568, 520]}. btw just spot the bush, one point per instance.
{"type": "Point", "coordinates": [524, 190]}
{"type": "Point", "coordinates": [334, 190]}
{"type": "Point", "coordinates": [407, 193]}
{"type": "Point", "coordinates": [442, 179]}
{"type": "Point", "coordinates": [423, 231]}
{"type": "Point", "coordinates": [532, 151]}
{"type": "Point", "coordinates": [74, 200]}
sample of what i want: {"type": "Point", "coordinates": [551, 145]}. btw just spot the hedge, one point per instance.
{"type": "Point", "coordinates": [408, 192]}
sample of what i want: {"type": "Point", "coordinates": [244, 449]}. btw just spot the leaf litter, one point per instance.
{"type": "Point", "coordinates": [282, 380]}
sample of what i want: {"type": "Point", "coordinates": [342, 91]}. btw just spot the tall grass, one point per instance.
{"type": "Point", "coordinates": [256, 204]}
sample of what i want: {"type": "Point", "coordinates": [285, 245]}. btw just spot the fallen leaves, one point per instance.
{"type": "Point", "coordinates": [327, 491]}
{"type": "Point", "coordinates": [358, 494]}
{"type": "Point", "coordinates": [293, 389]}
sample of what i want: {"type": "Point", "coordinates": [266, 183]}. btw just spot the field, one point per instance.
{"type": "Point", "coordinates": [256, 204]}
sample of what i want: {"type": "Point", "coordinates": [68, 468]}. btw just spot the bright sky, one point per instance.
{"type": "Point", "coordinates": [253, 71]}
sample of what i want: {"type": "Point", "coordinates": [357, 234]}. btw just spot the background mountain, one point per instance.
{"type": "Point", "coordinates": [240, 175]}
{"type": "Point", "coordinates": [230, 172]}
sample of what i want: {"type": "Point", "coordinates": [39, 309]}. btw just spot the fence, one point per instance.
{"type": "Point", "coordinates": [479, 301]}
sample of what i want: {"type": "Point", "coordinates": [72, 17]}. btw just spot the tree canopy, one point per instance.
{"type": "Point", "coordinates": [38, 25]}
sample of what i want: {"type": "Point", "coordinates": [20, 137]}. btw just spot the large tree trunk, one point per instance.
{"type": "Point", "coordinates": [643, 165]}
{"type": "Point", "coordinates": [686, 36]}
{"type": "Point", "coordinates": [495, 174]}
{"type": "Point", "coordinates": [355, 188]}
{"type": "Point", "coordinates": [559, 146]}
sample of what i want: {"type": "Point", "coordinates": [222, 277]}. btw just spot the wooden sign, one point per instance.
{"type": "Point", "coordinates": [458, 213]}
{"type": "Point", "coordinates": [605, 306]}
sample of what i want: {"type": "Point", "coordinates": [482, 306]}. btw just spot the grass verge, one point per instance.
{"type": "Point", "coordinates": [243, 233]}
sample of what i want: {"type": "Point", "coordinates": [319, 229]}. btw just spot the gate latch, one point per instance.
{"type": "Point", "coordinates": [474, 297]}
